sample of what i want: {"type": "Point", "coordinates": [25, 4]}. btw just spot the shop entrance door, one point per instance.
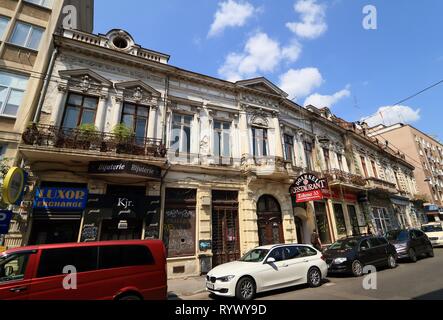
{"type": "Point", "coordinates": [110, 230]}
{"type": "Point", "coordinates": [299, 229]}
{"type": "Point", "coordinates": [54, 231]}
{"type": "Point", "coordinates": [323, 225]}
{"type": "Point", "coordinates": [270, 222]}
{"type": "Point", "coordinates": [225, 227]}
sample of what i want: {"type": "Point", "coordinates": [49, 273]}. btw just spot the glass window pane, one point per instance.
{"type": "Point", "coordinates": [217, 125]}
{"type": "Point", "coordinates": [71, 118]}
{"type": "Point", "coordinates": [129, 109]}
{"type": "Point", "coordinates": [3, 24]}
{"type": "Point", "coordinates": [217, 138]}
{"type": "Point", "coordinates": [13, 80]}
{"type": "Point", "coordinates": [35, 38]}
{"type": "Point", "coordinates": [175, 138]}
{"type": "Point", "coordinates": [20, 34]}
{"type": "Point", "coordinates": [187, 139]}
{"type": "Point", "coordinates": [188, 120]}
{"type": "Point", "coordinates": [141, 128]}
{"type": "Point", "coordinates": [13, 103]}
{"type": "Point", "coordinates": [143, 112]}
{"type": "Point", "coordinates": [3, 93]}
{"type": "Point", "coordinates": [75, 99]}
{"type": "Point", "coordinates": [90, 103]}
{"type": "Point", "coordinates": [128, 120]}
{"type": "Point", "coordinates": [226, 144]}
{"type": "Point", "coordinates": [88, 117]}
{"type": "Point", "coordinates": [177, 118]}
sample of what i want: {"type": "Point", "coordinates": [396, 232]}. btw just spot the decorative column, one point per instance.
{"type": "Point", "coordinates": [101, 112]}
{"type": "Point", "coordinates": [117, 113]}
{"type": "Point", "coordinates": [243, 128]}
{"type": "Point", "coordinates": [152, 122]}
{"type": "Point", "coordinates": [59, 105]}
{"type": "Point", "coordinates": [278, 136]}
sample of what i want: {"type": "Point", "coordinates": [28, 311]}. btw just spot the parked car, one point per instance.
{"type": "Point", "coordinates": [410, 244]}
{"type": "Point", "coordinates": [114, 270]}
{"type": "Point", "coordinates": [351, 255]}
{"type": "Point", "coordinates": [434, 231]}
{"type": "Point", "coordinates": [268, 268]}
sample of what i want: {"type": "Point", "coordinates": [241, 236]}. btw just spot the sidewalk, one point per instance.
{"type": "Point", "coordinates": [186, 287]}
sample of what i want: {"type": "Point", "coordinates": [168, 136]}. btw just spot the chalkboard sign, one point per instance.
{"type": "Point", "coordinates": [179, 222]}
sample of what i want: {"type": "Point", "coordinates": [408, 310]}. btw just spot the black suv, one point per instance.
{"type": "Point", "coordinates": [351, 255]}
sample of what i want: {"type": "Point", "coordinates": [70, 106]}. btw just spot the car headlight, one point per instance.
{"type": "Point", "coordinates": [340, 260]}
{"type": "Point", "coordinates": [226, 279]}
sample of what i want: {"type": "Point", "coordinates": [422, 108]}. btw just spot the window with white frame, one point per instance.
{"type": "Point", "coordinates": [181, 133]}
{"type": "Point", "coordinates": [260, 142]}
{"type": "Point", "coordinates": [27, 35]}
{"type": "Point", "coordinates": [382, 220]}
{"type": "Point", "coordinates": [222, 139]}
{"type": "Point", "coordinates": [43, 3]}
{"type": "Point", "coordinates": [12, 90]}
{"type": "Point", "coordinates": [3, 25]}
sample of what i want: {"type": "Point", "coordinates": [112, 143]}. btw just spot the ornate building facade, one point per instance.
{"type": "Point", "coordinates": [202, 163]}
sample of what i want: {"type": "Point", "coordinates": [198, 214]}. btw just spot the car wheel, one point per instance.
{"type": "Point", "coordinates": [357, 268]}
{"type": "Point", "coordinates": [314, 278]}
{"type": "Point", "coordinates": [392, 263]}
{"type": "Point", "coordinates": [431, 252]}
{"type": "Point", "coordinates": [245, 289]}
{"type": "Point", "coordinates": [412, 255]}
{"type": "Point", "coordinates": [129, 297]}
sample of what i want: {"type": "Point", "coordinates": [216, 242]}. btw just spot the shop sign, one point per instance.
{"type": "Point", "coordinates": [14, 185]}
{"type": "Point", "coordinates": [125, 168]}
{"type": "Point", "coordinates": [337, 195]}
{"type": "Point", "coordinates": [308, 188]}
{"type": "Point", "coordinates": [61, 198]}
{"type": "Point", "coordinates": [205, 245]}
{"type": "Point", "coordinates": [5, 221]}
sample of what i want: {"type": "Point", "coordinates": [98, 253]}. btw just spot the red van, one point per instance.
{"type": "Point", "coordinates": [113, 270]}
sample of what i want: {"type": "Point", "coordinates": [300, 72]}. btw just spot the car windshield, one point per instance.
{"type": "Point", "coordinates": [398, 235]}
{"type": "Point", "coordinates": [257, 255]}
{"type": "Point", "coordinates": [432, 228]}
{"type": "Point", "coordinates": [347, 244]}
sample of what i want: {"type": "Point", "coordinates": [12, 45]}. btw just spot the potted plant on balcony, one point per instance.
{"type": "Point", "coordinates": [30, 136]}
{"type": "Point", "coordinates": [122, 135]}
{"type": "Point", "coordinates": [87, 133]}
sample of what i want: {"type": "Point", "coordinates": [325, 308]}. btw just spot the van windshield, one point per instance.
{"type": "Point", "coordinates": [257, 255]}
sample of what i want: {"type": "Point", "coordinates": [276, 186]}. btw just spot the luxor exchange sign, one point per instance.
{"type": "Point", "coordinates": [308, 188]}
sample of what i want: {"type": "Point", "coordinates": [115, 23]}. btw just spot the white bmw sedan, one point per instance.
{"type": "Point", "coordinates": [268, 268]}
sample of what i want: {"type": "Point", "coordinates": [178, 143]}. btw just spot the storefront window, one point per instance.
{"type": "Point", "coordinates": [179, 225]}
{"type": "Point", "coordinates": [322, 222]}
{"type": "Point", "coordinates": [382, 220]}
{"type": "Point", "coordinates": [354, 220]}
{"type": "Point", "coordinates": [340, 220]}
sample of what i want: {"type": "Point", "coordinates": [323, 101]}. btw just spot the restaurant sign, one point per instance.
{"type": "Point", "coordinates": [308, 188]}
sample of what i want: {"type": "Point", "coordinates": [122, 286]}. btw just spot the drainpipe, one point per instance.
{"type": "Point", "coordinates": [165, 102]}
{"type": "Point", "coordinates": [45, 86]}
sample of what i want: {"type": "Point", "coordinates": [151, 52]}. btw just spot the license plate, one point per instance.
{"type": "Point", "coordinates": [210, 286]}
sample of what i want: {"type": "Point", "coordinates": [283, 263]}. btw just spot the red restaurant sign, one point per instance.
{"type": "Point", "coordinates": [308, 188]}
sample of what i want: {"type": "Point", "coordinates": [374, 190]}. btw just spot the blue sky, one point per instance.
{"type": "Point", "coordinates": [317, 50]}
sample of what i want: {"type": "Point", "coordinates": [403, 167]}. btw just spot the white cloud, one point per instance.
{"type": "Point", "coordinates": [300, 83]}
{"type": "Point", "coordinates": [320, 101]}
{"type": "Point", "coordinates": [231, 14]}
{"type": "Point", "coordinates": [312, 24]}
{"type": "Point", "coordinates": [390, 115]}
{"type": "Point", "coordinates": [260, 55]}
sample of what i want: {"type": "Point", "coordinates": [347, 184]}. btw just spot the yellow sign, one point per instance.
{"type": "Point", "coordinates": [13, 186]}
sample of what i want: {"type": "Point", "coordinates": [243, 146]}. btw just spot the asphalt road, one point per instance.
{"type": "Point", "coordinates": [422, 281]}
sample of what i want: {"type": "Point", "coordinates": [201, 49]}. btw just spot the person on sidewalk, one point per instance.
{"type": "Point", "coordinates": [315, 240]}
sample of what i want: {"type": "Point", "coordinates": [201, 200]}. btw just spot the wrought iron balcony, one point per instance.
{"type": "Point", "coordinates": [340, 177]}
{"type": "Point", "coordinates": [268, 165]}
{"type": "Point", "coordinates": [381, 185]}
{"type": "Point", "coordinates": [62, 138]}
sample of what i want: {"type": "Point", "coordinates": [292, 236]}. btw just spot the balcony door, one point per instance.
{"type": "Point", "coordinates": [270, 222]}
{"type": "Point", "coordinates": [136, 118]}
{"type": "Point", "coordinates": [79, 110]}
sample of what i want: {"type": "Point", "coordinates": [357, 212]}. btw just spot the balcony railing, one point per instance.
{"type": "Point", "coordinates": [338, 176]}
{"type": "Point", "coordinates": [62, 138]}
{"type": "Point", "coordinates": [377, 184]}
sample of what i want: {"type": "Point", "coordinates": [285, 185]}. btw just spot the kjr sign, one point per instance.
{"type": "Point", "coordinates": [308, 188]}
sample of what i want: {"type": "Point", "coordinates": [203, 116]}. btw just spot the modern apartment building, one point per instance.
{"type": "Point", "coordinates": [426, 154]}
{"type": "Point", "coordinates": [26, 48]}
{"type": "Point", "coordinates": [128, 146]}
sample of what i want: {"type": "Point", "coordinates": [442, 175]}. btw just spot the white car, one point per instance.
{"type": "Point", "coordinates": [434, 231]}
{"type": "Point", "coordinates": [268, 268]}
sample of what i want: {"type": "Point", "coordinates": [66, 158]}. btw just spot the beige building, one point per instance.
{"type": "Point", "coordinates": [426, 153]}
{"type": "Point", "coordinates": [202, 163]}
{"type": "Point", "coordinates": [26, 48]}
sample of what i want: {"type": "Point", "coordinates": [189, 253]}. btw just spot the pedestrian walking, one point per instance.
{"type": "Point", "coordinates": [315, 240]}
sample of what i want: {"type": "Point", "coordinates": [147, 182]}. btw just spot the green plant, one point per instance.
{"type": "Point", "coordinates": [122, 132]}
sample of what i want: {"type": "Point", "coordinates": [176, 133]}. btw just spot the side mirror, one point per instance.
{"type": "Point", "coordinates": [9, 271]}
{"type": "Point", "coordinates": [270, 261]}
